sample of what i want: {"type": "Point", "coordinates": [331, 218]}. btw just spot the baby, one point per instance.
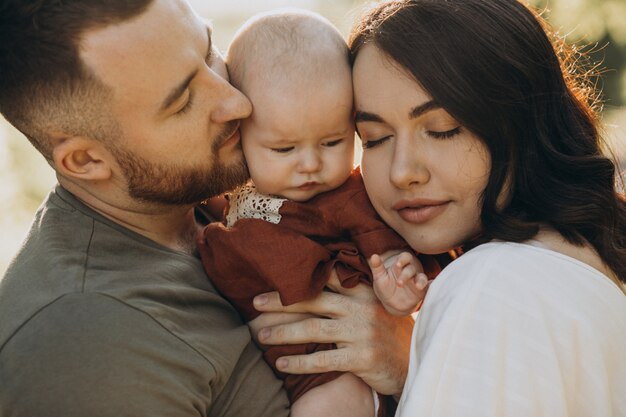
{"type": "Point", "coordinates": [306, 214]}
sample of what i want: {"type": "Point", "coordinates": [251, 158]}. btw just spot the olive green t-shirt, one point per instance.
{"type": "Point", "coordinates": [96, 320]}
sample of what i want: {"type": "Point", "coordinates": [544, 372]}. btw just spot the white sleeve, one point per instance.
{"type": "Point", "coordinates": [512, 331]}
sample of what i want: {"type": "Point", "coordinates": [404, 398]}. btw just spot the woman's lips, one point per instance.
{"type": "Point", "coordinates": [420, 211]}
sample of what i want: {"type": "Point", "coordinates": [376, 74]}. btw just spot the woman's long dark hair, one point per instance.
{"type": "Point", "coordinates": [495, 67]}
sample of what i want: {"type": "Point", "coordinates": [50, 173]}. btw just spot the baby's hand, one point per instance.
{"type": "Point", "coordinates": [399, 281]}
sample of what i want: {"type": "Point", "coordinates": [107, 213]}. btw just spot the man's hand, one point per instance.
{"type": "Point", "coordinates": [371, 343]}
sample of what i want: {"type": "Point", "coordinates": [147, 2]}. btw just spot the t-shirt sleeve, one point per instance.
{"type": "Point", "coordinates": [91, 355]}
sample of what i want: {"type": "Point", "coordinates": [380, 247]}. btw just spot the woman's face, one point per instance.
{"type": "Point", "coordinates": [423, 171]}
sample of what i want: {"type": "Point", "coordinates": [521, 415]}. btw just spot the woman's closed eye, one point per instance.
{"type": "Point", "coordinates": [444, 134]}
{"type": "Point", "coordinates": [368, 144]}
{"type": "Point", "coordinates": [371, 143]}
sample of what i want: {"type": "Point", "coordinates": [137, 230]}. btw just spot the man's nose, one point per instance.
{"type": "Point", "coordinates": [232, 104]}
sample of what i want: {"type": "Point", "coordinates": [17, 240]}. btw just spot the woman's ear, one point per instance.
{"type": "Point", "coordinates": [81, 158]}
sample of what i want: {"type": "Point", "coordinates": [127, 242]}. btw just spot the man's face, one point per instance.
{"type": "Point", "coordinates": [178, 116]}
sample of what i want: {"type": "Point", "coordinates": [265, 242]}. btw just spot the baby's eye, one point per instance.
{"type": "Point", "coordinates": [333, 143]}
{"type": "Point", "coordinates": [283, 150]}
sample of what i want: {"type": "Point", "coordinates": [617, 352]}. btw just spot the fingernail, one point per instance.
{"type": "Point", "coordinates": [264, 334]}
{"type": "Point", "coordinates": [282, 363]}
{"type": "Point", "coordinates": [260, 300]}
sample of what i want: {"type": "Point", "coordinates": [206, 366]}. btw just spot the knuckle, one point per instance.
{"type": "Point", "coordinates": [321, 360]}
{"type": "Point", "coordinates": [333, 328]}
{"type": "Point", "coordinates": [344, 304]}
{"type": "Point", "coordinates": [298, 363]}
{"type": "Point", "coordinates": [278, 332]}
{"type": "Point", "coordinates": [344, 361]}
{"type": "Point", "coordinates": [312, 326]}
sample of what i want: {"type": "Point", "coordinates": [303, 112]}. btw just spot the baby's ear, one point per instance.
{"type": "Point", "coordinates": [81, 158]}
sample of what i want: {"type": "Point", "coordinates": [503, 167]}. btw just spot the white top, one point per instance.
{"type": "Point", "coordinates": [512, 329]}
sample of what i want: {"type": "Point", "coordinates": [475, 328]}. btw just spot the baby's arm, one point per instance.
{"type": "Point", "coordinates": [399, 281]}
{"type": "Point", "coordinates": [346, 396]}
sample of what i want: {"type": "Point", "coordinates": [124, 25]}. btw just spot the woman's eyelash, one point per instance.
{"type": "Point", "coordinates": [372, 143]}
{"type": "Point", "coordinates": [434, 134]}
{"type": "Point", "coordinates": [444, 135]}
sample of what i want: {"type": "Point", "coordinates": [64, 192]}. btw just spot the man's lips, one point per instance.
{"type": "Point", "coordinates": [421, 210]}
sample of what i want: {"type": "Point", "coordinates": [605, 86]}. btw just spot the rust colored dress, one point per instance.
{"type": "Point", "coordinates": [270, 244]}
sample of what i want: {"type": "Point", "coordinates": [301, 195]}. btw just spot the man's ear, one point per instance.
{"type": "Point", "coordinates": [81, 158]}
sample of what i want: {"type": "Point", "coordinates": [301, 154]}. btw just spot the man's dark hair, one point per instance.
{"type": "Point", "coordinates": [44, 85]}
{"type": "Point", "coordinates": [496, 68]}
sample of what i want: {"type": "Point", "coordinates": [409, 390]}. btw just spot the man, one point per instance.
{"type": "Point", "coordinates": [106, 310]}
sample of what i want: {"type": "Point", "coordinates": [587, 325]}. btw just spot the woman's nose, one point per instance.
{"type": "Point", "coordinates": [408, 167]}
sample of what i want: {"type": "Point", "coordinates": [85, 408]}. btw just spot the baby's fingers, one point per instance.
{"type": "Point", "coordinates": [421, 281]}
{"type": "Point", "coordinates": [404, 259]}
{"type": "Point", "coordinates": [376, 265]}
{"type": "Point", "coordinates": [404, 274]}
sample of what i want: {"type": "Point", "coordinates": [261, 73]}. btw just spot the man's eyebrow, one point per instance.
{"type": "Point", "coordinates": [423, 108]}
{"type": "Point", "coordinates": [177, 91]}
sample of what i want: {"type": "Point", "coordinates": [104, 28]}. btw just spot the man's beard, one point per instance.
{"type": "Point", "coordinates": [176, 185]}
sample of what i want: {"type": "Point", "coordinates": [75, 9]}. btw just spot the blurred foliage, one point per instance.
{"type": "Point", "coordinates": [598, 25]}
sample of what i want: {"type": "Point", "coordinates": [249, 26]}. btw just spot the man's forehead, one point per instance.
{"type": "Point", "coordinates": [171, 17]}
{"type": "Point", "coordinates": [165, 32]}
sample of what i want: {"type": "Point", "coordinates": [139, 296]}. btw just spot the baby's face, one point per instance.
{"type": "Point", "coordinates": [300, 143]}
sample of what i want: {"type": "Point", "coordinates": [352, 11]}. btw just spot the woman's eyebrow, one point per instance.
{"type": "Point", "coordinates": [363, 116]}
{"type": "Point", "coordinates": [417, 111]}
{"type": "Point", "coordinates": [423, 108]}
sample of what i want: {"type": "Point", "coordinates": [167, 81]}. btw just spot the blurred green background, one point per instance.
{"type": "Point", "coordinates": [25, 178]}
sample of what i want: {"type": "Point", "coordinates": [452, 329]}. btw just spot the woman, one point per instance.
{"type": "Point", "coordinates": [475, 134]}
